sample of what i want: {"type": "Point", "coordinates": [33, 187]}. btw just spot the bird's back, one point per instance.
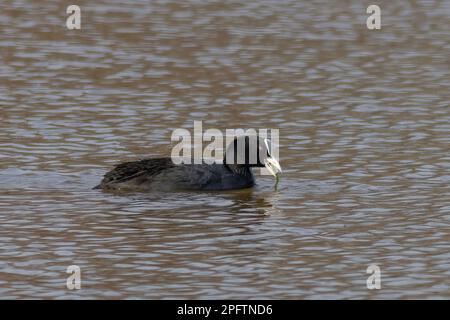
{"type": "Point", "coordinates": [136, 171]}
{"type": "Point", "coordinates": [161, 174]}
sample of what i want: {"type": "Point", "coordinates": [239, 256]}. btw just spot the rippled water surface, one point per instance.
{"type": "Point", "coordinates": [364, 121]}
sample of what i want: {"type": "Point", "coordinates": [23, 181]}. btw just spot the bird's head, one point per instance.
{"type": "Point", "coordinates": [251, 151]}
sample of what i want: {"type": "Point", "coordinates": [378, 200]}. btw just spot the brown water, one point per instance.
{"type": "Point", "coordinates": [364, 121]}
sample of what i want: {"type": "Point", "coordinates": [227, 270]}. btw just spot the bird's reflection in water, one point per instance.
{"type": "Point", "coordinates": [234, 222]}
{"type": "Point", "coordinates": [256, 201]}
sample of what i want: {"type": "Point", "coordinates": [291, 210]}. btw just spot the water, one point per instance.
{"type": "Point", "coordinates": [364, 122]}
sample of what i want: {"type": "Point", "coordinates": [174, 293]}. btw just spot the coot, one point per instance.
{"type": "Point", "coordinates": [161, 174]}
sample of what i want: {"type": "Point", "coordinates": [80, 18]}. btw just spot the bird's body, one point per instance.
{"type": "Point", "coordinates": [161, 174]}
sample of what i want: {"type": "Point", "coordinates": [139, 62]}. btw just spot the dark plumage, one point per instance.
{"type": "Point", "coordinates": [161, 174]}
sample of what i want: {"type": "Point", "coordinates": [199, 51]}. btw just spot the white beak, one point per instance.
{"type": "Point", "coordinates": [273, 166]}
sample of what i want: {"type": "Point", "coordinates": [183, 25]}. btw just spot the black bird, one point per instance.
{"type": "Point", "coordinates": [161, 174]}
